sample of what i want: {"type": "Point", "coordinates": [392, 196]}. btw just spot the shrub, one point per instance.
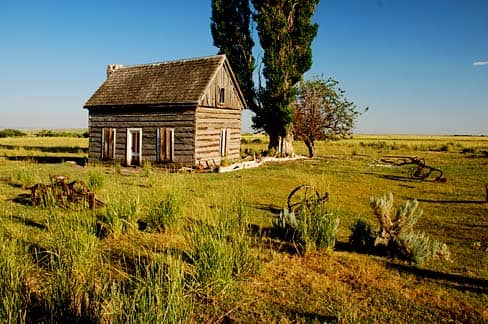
{"type": "Point", "coordinates": [117, 168]}
{"type": "Point", "coordinates": [285, 225]}
{"type": "Point", "coordinates": [313, 227]}
{"type": "Point", "coordinates": [8, 132]}
{"type": "Point", "coordinates": [146, 169]}
{"type": "Point", "coordinates": [362, 237]}
{"type": "Point", "coordinates": [166, 214]}
{"type": "Point", "coordinates": [471, 150]}
{"type": "Point", "coordinates": [122, 215]}
{"type": "Point", "coordinates": [25, 176]}
{"type": "Point", "coordinates": [60, 133]}
{"type": "Point", "coordinates": [318, 227]}
{"type": "Point", "coordinates": [257, 141]}
{"type": "Point", "coordinates": [397, 232]}
{"type": "Point", "coordinates": [96, 179]}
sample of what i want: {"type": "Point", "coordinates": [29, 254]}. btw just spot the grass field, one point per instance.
{"type": "Point", "coordinates": [205, 253]}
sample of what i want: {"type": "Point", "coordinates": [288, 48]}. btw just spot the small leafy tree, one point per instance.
{"type": "Point", "coordinates": [322, 112]}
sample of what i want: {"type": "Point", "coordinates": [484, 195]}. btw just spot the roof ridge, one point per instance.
{"type": "Point", "coordinates": [173, 61]}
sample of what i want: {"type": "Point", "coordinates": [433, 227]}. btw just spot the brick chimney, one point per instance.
{"type": "Point", "coordinates": [112, 67]}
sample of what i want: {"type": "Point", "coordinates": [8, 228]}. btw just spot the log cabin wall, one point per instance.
{"type": "Point", "coordinates": [149, 120]}
{"type": "Point", "coordinates": [215, 114]}
{"type": "Point", "coordinates": [209, 124]}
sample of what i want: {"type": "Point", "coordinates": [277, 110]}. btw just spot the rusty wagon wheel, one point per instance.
{"type": "Point", "coordinates": [302, 195]}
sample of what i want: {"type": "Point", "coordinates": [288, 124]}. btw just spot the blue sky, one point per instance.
{"type": "Point", "coordinates": [420, 66]}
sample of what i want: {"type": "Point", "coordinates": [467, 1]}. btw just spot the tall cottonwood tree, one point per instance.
{"type": "Point", "coordinates": [285, 32]}
{"type": "Point", "coordinates": [231, 32]}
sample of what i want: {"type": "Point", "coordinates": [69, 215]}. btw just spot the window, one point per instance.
{"type": "Point", "coordinates": [221, 95]}
{"type": "Point", "coordinates": [224, 141]}
{"type": "Point", "coordinates": [108, 143]}
{"type": "Point", "coordinates": [165, 144]}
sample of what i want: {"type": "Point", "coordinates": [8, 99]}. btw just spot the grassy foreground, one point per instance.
{"type": "Point", "coordinates": [189, 247]}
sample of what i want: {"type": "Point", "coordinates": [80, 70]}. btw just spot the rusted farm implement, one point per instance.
{"type": "Point", "coordinates": [60, 192]}
{"type": "Point", "coordinates": [305, 196]}
{"type": "Point", "coordinates": [420, 169]}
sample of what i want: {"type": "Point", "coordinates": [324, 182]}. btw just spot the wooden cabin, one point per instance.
{"type": "Point", "coordinates": [183, 113]}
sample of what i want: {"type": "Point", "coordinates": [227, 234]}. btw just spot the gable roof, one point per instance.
{"type": "Point", "coordinates": [180, 82]}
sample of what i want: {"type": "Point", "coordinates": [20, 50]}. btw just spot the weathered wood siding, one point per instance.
{"type": "Point", "coordinates": [211, 97]}
{"type": "Point", "coordinates": [149, 120]}
{"type": "Point", "coordinates": [209, 123]}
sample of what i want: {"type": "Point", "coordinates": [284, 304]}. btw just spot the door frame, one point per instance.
{"type": "Point", "coordinates": [128, 157]}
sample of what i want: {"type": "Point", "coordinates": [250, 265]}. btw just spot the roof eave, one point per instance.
{"type": "Point", "coordinates": [159, 105]}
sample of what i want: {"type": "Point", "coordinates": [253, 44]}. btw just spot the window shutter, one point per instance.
{"type": "Point", "coordinates": [166, 144]}
{"type": "Point", "coordinates": [108, 143]}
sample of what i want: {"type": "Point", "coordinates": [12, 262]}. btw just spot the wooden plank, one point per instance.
{"type": "Point", "coordinates": [156, 119]}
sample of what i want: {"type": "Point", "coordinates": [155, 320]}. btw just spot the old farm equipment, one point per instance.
{"type": "Point", "coordinates": [62, 193]}
{"type": "Point", "coordinates": [305, 196]}
{"type": "Point", "coordinates": [419, 170]}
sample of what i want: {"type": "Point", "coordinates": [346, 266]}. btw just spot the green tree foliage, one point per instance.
{"type": "Point", "coordinates": [285, 32]}
{"type": "Point", "coordinates": [230, 26]}
{"type": "Point", "coordinates": [322, 112]}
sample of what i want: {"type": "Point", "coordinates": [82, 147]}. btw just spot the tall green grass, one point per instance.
{"type": "Point", "coordinates": [122, 214]}
{"type": "Point", "coordinates": [26, 175]}
{"type": "Point", "coordinates": [221, 248]}
{"type": "Point", "coordinates": [156, 293]}
{"type": "Point", "coordinates": [14, 268]}
{"type": "Point", "coordinates": [76, 285]}
{"type": "Point", "coordinates": [165, 215]}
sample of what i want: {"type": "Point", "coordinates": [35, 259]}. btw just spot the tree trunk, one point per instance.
{"type": "Point", "coordinates": [283, 146]}
{"type": "Point", "coordinates": [311, 148]}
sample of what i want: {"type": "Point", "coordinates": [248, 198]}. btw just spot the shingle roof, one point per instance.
{"type": "Point", "coordinates": [175, 83]}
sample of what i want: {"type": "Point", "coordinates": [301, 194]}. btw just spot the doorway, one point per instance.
{"type": "Point", "coordinates": [134, 146]}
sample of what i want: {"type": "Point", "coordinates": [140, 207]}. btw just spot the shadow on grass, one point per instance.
{"type": "Point", "coordinates": [460, 282]}
{"type": "Point", "coordinates": [373, 250]}
{"type": "Point", "coordinates": [29, 222]}
{"type": "Point", "coordinates": [451, 201]}
{"type": "Point", "coordinates": [395, 177]}
{"type": "Point", "coordinates": [81, 161]}
{"type": "Point", "coordinates": [269, 208]}
{"type": "Point", "coordinates": [23, 199]}
{"type": "Point", "coordinates": [308, 317]}
{"type": "Point", "coordinates": [46, 149]}
{"type": "Point", "coordinates": [278, 241]}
